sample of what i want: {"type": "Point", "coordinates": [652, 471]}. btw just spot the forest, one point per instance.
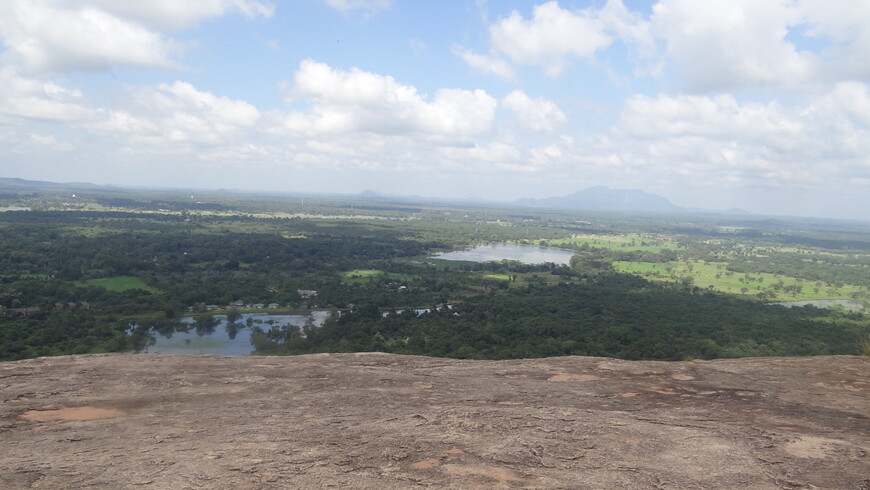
{"type": "Point", "coordinates": [106, 271]}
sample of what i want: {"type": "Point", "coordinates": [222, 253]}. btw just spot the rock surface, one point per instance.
{"type": "Point", "coordinates": [387, 421]}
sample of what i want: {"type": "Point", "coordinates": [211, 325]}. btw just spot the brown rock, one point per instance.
{"type": "Point", "coordinates": [386, 421]}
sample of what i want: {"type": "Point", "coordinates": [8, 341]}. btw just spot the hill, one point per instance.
{"type": "Point", "coordinates": [387, 421]}
{"type": "Point", "coordinates": [606, 199]}
{"type": "Point", "coordinates": [23, 184]}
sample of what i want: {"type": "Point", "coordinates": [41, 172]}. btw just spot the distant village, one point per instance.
{"type": "Point", "coordinates": [241, 304]}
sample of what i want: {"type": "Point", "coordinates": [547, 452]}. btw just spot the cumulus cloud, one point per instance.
{"type": "Point", "coordinates": [179, 113]}
{"type": "Point", "coordinates": [551, 38]}
{"type": "Point", "coordinates": [356, 100]}
{"type": "Point", "coordinates": [29, 98]}
{"type": "Point", "coordinates": [487, 65]}
{"type": "Point", "coordinates": [712, 141]}
{"type": "Point", "coordinates": [742, 43]}
{"type": "Point", "coordinates": [705, 47]}
{"type": "Point", "coordinates": [534, 114]}
{"type": "Point", "coordinates": [555, 37]}
{"type": "Point", "coordinates": [847, 25]}
{"type": "Point", "coordinates": [50, 36]}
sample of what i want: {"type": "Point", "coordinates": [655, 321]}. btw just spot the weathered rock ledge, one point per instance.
{"type": "Point", "coordinates": [386, 421]}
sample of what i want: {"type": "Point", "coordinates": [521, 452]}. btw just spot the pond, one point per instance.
{"type": "Point", "coordinates": [223, 341]}
{"type": "Point", "coordinates": [525, 254]}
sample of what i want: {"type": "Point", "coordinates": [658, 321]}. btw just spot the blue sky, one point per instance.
{"type": "Point", "coordinates": [762, 105]}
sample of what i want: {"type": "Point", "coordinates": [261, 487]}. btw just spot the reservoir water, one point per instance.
{"type": "Point", "coordinates": [847, 304]}
{"type": "Point", "coordinates": [525, 254]}
{"type": "Point", "coordinates": [223, 341]}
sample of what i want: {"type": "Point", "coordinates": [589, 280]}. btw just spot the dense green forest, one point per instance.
{"type": "Point", "coordinates": [105, 272]}
{"type": "Point", "coordinates": [614, 315]}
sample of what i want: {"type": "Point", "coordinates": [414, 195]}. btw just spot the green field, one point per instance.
{"type": "Point", "coordinates": [716, 276]}
{"type": "Point", "coordinates": [117, 284]}
{"type": "Point", "coordinates": [360, 276]}
{"type": "Point", "coordinates": [631, 241]}
{"type": "Point", "coordinates": [366, 276]}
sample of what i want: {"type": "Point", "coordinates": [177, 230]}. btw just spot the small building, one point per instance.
{"type": "Point", "coordinates": [307, 293]}
{"type": "Point", "coordinates": [273, 306]}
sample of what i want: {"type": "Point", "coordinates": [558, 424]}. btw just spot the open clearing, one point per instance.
{"type": "Point", "coordinates": [715, 274]}
{"type": "Point", "coordinates": [365, 276]}
{"type": "Point", "coordinates": [632, 241]}
{"type": "Point", "coordinates": [117, 283]}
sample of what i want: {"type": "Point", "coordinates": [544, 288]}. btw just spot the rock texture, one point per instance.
{"type": "Point", "coordinates": [386, 421]}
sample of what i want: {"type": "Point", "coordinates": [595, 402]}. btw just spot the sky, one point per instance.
{"type": "Point", "coordinates": [762, 105]}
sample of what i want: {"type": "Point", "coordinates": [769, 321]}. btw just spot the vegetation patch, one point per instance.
{"type": "Point", "coordinates": [626, 242]}
{"type": "Point", "coordinates": [716, 276]}
{"type": "Point", "coordinates": [117, 284]}
{"type": "Point", "coordinates": [686, 294]}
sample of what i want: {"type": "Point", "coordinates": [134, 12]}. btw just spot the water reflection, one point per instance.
{"type": "Point", "coordinates": [214, 334]}
{"type": "Point", "coordinates": [847, 304]}
{"type": "Point", "coordinates": [525, 254]}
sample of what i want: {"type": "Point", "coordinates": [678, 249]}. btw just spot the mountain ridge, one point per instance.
{"type": "Point", "coordinates": [601, 198]}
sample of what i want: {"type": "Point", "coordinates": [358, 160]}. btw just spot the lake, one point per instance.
{"type": "Point", "coordinates": [525, 254]}
{"type": "Point", "coordinates": [219, 341]}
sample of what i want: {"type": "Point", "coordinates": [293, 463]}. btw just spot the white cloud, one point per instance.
{"type": "Point", "coordinates": [536, 114]}
{"type": "Point", "coordinates": [550, 38]}
{"type": "Point", "coordinates": [179, 113]}
{"type": "Point", "coordinates": [418, 47]}
{"type": "Point", "coordinates": [42, 39]}
{"type": "Point", "coordinates": [852, 100]}
{"type": "Point", "coordinates": [486, 65]}
{"type": "Point", "coordinates": [844, 21]}
{"type": "Point", "coordinates": [366, 7]}
{"type": "Point", "coordinates": [635, 32]}
{"type": "Point", "coordinates": [50, 36]}
{"type": "Point", "coordinates": [847, 24]}
{"type": "Point", "coordinates": [705, 46]}
{"type": "Point", "coordinates": [717, 141]}
{"type": "Point", "coordinates": [546, 154]}
{"type": "Point", "coordinates": [356, 100]}
{"type": "Point", "coordinates": [174, 14]}
{"type": "Point", "coordinates": [739, 43]}
{"type": "Point", "coordinates": [29, 98]}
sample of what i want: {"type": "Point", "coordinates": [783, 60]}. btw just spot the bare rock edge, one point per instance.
{"type": "Point", "coordinates": [387, 421]}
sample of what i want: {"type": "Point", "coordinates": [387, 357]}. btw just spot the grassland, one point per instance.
{"type": "Point", "coordinates": [117, 284]}
{"type": "Point", "coordinates": [523, 279]}
{"type": "Point", "coordinates": [366, 276]}
{"type": "Point", "coordinates": [642, 242]}
{"type": "Point", "coordinates": [715, 276]}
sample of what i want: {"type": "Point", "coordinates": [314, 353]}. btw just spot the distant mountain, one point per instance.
{"type": "Point", "coordinates": [15, 183]}
{"type": "Point", "coordinates": [606, 199]}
